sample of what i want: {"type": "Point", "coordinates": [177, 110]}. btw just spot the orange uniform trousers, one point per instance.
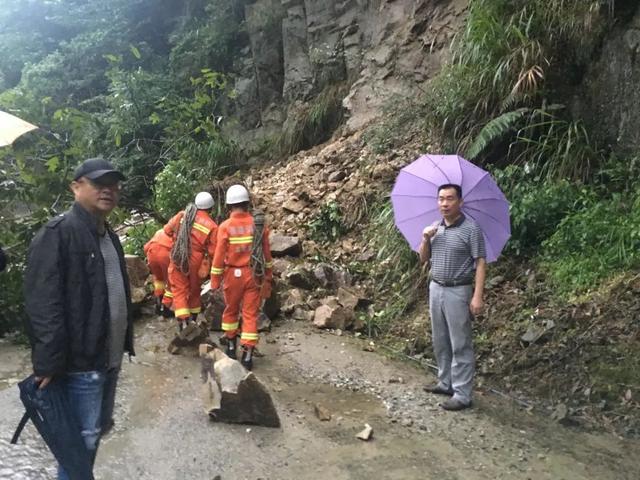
{"type": "Point", "coordinates": [186, 287]}
{"type": "Point", "coordinates": [158, 258]}
{"type": "Point", "coordinates": [241, 291]}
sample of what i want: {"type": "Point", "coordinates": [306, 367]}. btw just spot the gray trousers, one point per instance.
{"type": "Point", "coordinates": [452, 338]}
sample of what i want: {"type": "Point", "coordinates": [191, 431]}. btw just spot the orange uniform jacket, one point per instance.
{"type": "Point", "coordinates": [233, 254]}
{"type": "Point", "coordinates": [233, 249]}
{"type": "Point", "coordinates": [186, 288]}
{"type": "Point", "coordinates": [158, 250]}
{"type": "Point", "coordinates": [203, 232]}
{"type": "Point", "coordinates": [159, 238]}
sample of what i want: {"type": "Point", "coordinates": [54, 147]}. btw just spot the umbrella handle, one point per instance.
{"type": "Point", "coordinates": [23, 422]}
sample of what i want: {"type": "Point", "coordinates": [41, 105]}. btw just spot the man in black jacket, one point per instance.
{"type": "Point", "coordinates": [78, 301]}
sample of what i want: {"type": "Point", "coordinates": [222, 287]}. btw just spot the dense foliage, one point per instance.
{"type": "Point", "coordinates": [142, 82]}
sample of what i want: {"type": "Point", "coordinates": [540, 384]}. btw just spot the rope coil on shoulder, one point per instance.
{"type": "Point", "coordinates": [256, 262]}
{"type": "Point", "coordinates": [181, 250]}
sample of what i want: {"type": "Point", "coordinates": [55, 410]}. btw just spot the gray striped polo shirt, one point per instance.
{"type": "Point", "coordinates": [455, 249]}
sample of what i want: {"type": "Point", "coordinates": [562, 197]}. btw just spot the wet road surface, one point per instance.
{"type": "Point", "coordinates": [162, 432]}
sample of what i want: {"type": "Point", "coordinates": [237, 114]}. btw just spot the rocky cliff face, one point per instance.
{"type": "Point", "coordinates": [380, 48]}
{"type": "Point", "coordinates": [609, 97]}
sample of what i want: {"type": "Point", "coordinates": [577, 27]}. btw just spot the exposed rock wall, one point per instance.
{"type": "Point", "coordinates": [609, 98]}
{"type": "Point", "coordinates": [381, 47]}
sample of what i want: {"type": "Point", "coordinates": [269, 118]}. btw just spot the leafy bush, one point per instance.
{"type": "Point", "coordinates": [15, 237]}
{"type": "Point", "coordinates": [327, 225]}
{"type": "Point", "coordinates": [536, 205]}
{"type": "Point", "coordinates": [595, 242]}
{"type": "Point", "coordinates": [175, 187]}
{"type": "Point", "coordinates": [137, 235]}
{"type": "Point", "coordinates": [397, 271]}
{"type": "Point", "coordinates": [509, 59]}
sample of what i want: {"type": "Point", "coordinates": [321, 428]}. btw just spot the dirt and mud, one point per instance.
{"type": "Point", "coordinates": [162, 432]}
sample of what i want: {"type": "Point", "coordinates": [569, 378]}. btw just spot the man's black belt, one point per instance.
{"type": "Point", "coordinates": [453, 283]}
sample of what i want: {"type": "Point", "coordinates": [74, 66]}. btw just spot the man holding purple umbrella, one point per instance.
{"type": "Point", "coordinates": [455, 248]}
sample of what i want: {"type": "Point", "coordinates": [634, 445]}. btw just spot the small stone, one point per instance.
{"type": "Point", "coordinates": [322, 413]}
{"type": "Point", "coordinates": [366, 434]}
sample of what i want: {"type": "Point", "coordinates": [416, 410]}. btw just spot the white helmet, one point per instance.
{"type": "Point", "coordinates": [204, 201]}
{"type": "Point", "coordinates": [237, 194]}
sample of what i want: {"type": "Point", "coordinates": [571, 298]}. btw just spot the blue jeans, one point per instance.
{"type": "Point", "coordinates": [92, 396]}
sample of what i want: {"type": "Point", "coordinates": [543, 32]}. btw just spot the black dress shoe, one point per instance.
{"type": "Point", "coordinates": [437, 389]}
{"type": "Point", "coordinates": [453, 405]}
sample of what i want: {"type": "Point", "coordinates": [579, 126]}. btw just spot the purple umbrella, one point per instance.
{"type": "Point", "coordinates": [415, 199]}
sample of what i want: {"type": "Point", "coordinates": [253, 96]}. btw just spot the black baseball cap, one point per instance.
{"type": "Point", "coordinates": [94, 168]}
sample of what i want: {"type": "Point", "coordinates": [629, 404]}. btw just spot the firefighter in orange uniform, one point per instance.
{"type": "Point", "coordinates": [158, 253]}
{"type": "Point", "coordinates": [243, 264]}
{"type": "Point", "coordinates": [194, 237]}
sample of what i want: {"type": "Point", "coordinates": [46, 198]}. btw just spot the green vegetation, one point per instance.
{"type": "Point", "coordinates": [399, 277]}
{"type": "Point", "coordinates": [328, 225]}
{"type": "Point", "coordinates": [313, 123]}
{"type": "Point", "coordinates": [147, 88]}
{"type": "Point", "coordinates": [137, 235]}
{"type": "Point", "coordinates": [594, 243]}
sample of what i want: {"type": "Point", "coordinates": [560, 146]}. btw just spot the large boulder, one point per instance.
{"type": "Point", "coordinates": [192, 335]}
{"type": "Point", "coordinates": [273, 304]}
{"type": "Point", "coordinates": [347, 298]}
{"type": "Point", "coordinates": [231, 394]}
{"type": "Point", "coordinates": [283, 245]}
{"type": "Point", "coordinates": [301, 277]}
{"type": "Point", "coordinates": [213, 306]}
{"type": "Point", "coordinates": [338, 317]}
{"type": "Point", "coordinates": [294, 298]}
{"type": "Point", "coordinates": [138, 273]}
{"type": "Point", "coordinates": [137, 270]}
{"type": "Point", "coordinates": [325, 275]}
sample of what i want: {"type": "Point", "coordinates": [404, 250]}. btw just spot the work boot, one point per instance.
{"type": "Point", "coordinates": [247, 357]}
{"type": "Point", "coordinates": [230, 351]}
{"type": "Point", "coordinates": [158, 305]}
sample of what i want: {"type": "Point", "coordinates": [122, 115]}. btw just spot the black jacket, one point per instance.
{"type": "Point", "coordinates": [3, 260]}
{"type": "Point", "coordinates": [66, 296]}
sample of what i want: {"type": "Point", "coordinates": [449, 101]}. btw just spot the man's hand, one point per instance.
{"type": "Point", "coordinates": [43, 381]}
{"type": "Point", "coordinates": [429, 232]}
{"type": "Point", "coordinates": [477, 305]}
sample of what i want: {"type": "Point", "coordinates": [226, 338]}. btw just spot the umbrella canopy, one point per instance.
{"type": "Point", "coordinates": [415, 199]}
{"type": "Point", "coordinates": [49, 410]}
{"type": "Point", "coordinates": [11, 128]}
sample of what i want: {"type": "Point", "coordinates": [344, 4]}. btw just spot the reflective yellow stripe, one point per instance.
{"type": "Point", "coordinates": [217, 271]}
{"type": "Point", "coordinates": [268, 265]}
{"type": "Point", "coordinates": [168, 294]}
{"type": "Point", "coordinates": [201, 228]}
{"type": "Point", "coordinates": [249, 336]}
{"type": "Point", "coordinates": [230, 326]}
{"type": "Point", "coordinates": [182, 311]}
{"type": "Point", "coordinates": [240, 240]}
{"type": "Point", "coordinates": [158, 285]}
{"type": "Point", "coordinates": [195, 310]}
